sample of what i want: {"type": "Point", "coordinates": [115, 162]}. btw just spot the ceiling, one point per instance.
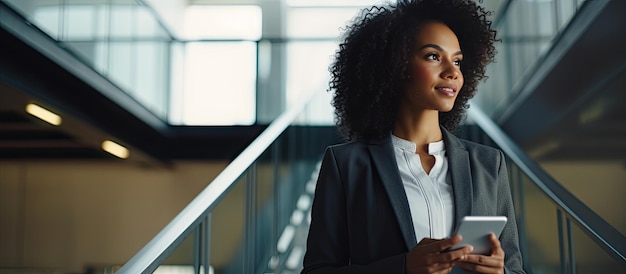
{"type": "Point", "coordinates": [23, 136]}
{"type": "Point", "coordinates": [171, 12]}
{"type": "Point", "coordinates": [89, 117]}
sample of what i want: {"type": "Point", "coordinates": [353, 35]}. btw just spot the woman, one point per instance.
{"type": "Point", "coordinates": [401, 82]}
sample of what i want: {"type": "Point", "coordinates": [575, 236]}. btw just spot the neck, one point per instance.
{"type": "Point", "coordinates": [421, 128]}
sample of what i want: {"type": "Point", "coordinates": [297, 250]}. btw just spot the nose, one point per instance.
{"type": "Point", "coordinates": [451, 71]}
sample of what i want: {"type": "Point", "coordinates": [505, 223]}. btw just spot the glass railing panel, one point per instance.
{"type": "Point", "coordinates": [541, 229]}
{"type": "Point", "coordinates": [254, 219]}
{"type": "Point", "coordinates": [227, 230]}
{"type": "Point", "coordinates": [558, 232]}
{"type": "Point", "coordinates": [545, 233]}
{"type": "Point", "coordinates": [604, 195]}
{"type": "Point", "coordinates": [298, 150]}
{"type": "Point", "coordinates": [253, 227]}
{"type": "Point", "coordinates": [182, 256]}
{"type": "Point", "coordinates": [588, 257]}
{"type": "Point", "coordinates": [266, 211]}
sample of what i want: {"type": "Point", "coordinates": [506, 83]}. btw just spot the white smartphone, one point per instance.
{"type": "Point", "coordinates": [475, 232]}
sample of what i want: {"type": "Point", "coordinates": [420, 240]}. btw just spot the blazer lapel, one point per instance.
{"type": "Point", "coordinates": [385, 163]}
{"type": "Point", "coordinates": [461, 175]}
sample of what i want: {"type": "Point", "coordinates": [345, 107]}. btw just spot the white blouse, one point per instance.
{"type": "Point", "coordinates": [430, 196]}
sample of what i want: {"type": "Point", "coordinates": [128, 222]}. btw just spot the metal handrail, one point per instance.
{"type": "Point", "coordinates": [164, 243]}
{"type": "Point", "coordinates": [601, 232]}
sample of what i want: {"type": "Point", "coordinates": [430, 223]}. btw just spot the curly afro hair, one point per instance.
{"type": "Point", "coordinates": [371, 64]}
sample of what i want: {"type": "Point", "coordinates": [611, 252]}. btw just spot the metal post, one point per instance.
{"type": "Point", "coordinates": [197, 247]}
{"type": "Point", "coordinates": [250, 221]}
{"type": "Point", "coordinates": [563, 259]}
{"type": "Point", "coordinates": [275, 259]}
{"type": "Point", "coordinates": [570, 246]}
{"type": "Point", "coordinates": [207, 243]}
{"type": "Point", "coordinates": [522, 224]}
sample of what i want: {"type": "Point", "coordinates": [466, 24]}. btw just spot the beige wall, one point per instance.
{"type": "Point", "coordinates": [67, 215]}
{"type": "Point", "coordinates": [601, 185]}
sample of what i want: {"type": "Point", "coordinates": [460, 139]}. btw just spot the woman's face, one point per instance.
{"type": "Point", "coordinates": [435, 76]}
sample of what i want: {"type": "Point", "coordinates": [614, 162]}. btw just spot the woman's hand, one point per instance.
{"type": "Point", "coordinates": [494, 263]}
{"type": "Point", "coordinates": [431, 256]}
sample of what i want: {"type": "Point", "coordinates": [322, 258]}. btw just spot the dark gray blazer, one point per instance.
{"type": "Point", "coordinates": [360, 219]}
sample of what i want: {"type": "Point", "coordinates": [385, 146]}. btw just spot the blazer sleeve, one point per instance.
{"type": "Point", "coordinates": [328, 242]}
{"type": "Point", "coordinates": [509, 238]}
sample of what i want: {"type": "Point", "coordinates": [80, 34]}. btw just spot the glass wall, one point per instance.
{"type": "Point", "coordinates": [527, 29]}
{"type": "Point", "coordinates": [211, 70]}
{"type": "Point", "coordinates": [215, 76]}
{"type": "Point", "coordinates": [219, 84]}
{"type": "Point", "coordinates": [121, 40]}
{"type": "Point", "coordinates": [204, 81]}
{"type": "Point", "coordinates": [209, 73]}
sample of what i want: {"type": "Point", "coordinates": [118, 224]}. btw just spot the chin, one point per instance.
{"type": "Point", "coordinates": [446, 109]}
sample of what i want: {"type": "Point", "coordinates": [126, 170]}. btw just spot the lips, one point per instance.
{"type": "Point", "coordinates": [446, 90]}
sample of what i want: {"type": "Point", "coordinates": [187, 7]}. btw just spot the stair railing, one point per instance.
{"type": "Point", "coordinates": [570, 209]}
{"type": "Point", "coordinates": [196, 216]}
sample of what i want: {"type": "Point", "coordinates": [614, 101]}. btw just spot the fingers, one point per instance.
{"type": "Point", "coordinates": [432, 263]}
{"type": "Point", "coordinates": [436, 246]}
{"type": "Point", "coordinates": [427, 241]}
{"type": "Point", "coordinates": [482, 260]}
{"type": "Point", "coordinates": [432, 256]}
{"type": "Point", "coordinates": [436, 251]}
{"type": "Point", "coordinates": [496, 246]}
{"type": "Point", "coordinates": [456, 255]}
{"type": "Point", "coordinates": [482, 264]}
{"type": "Point", "coordinates": [485, 264]}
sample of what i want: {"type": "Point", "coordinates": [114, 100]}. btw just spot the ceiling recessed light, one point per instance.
{"type": "Point", "coordinates": [116, 149]}
{"type": "Point", "coordinates": [43, 114]}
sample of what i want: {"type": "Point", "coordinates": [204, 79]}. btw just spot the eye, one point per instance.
{"type": "Point", "coordinates": [457, 62]}
{"type": "Point", "coordinates": [432, 56]}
